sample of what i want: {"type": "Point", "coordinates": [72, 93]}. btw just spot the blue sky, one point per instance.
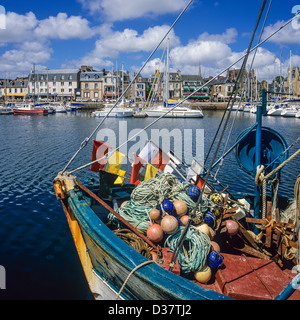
{"type": "Point", "coordinates": [109, 33]}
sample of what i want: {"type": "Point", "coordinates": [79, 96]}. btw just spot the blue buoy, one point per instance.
{"type": "Point", "coordinates": [210, 219]}
{"type": "Point", "coordinates": [193, 192]}
{"type": "Point", "coordinates": [167, 206]}
{"type": "Point", "coordinates": [215, 260]}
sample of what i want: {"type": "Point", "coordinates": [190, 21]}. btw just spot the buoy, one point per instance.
{"type": "Point", "coordinates": [169, 224]}
{"type": "Point", "coordinates": [180, 208]}
{"type": "Point", "coordinates": [210, 219]}
{"type": "Point", "coordinates": [203, 275]}
{"type": "Point", "coordinates": [217, 198]}
{"type": "Point", "coordinates": [184, 219]}
{"type": "Point", "coordinates": [123, 203]}
{"type": "Point", "coordinates": [204, 228]}
{"type": "Point", "coordinates": [193, 192]}
{"type": "Point", "coordinates": [232, 227]}
{"type": "Point", "coordinates": [154, 214]}
{"type": "Point", "coordinates": [167, 206]}
{"type": "Point", "coordinates": [155, 233]}
{"type": "Point", "coordinates": [215, 246]}
{"type": "Point", "coordinates": [214, 260]}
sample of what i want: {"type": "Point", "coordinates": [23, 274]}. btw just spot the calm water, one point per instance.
{"type": "Point", "coordinates": [37, 250]}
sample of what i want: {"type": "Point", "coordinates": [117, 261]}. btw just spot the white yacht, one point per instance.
{"type": "Point", "coordinates": [178, 112]}
{"type": "Point", "coordinates": [116, 112]}
{"type": "Point", "coordinates": [289, 112]}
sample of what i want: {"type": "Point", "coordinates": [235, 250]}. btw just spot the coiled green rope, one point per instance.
{"type": "Point", "coordinates": [135, 213]}
{"type": "Point", "coordinates": [196, 247]}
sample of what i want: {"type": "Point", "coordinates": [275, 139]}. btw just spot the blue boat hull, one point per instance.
{"type": "Point", "coordinates": [107, 261]}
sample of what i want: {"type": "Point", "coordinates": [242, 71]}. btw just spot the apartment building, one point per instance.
{"type": "Point", "coordinates": [54, 84]}
{"type": "Point", "coordinates": [15, 90]}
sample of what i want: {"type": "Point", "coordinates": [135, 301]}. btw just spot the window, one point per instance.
{"type": "Point", "coordinates": [86, 94]}
{"type": "Point", "coordinates": [96, 95]}
{"type": "Point", "coordinates": [70, 84]}
{"type": "Point", "coordinates": [86, 85]}
{"type": "Point", "coordinates": [96, 86]}
{"type": "Point", "coordinates": [70, 90]}
{"type": "Point", "coordinates": [54, 83]}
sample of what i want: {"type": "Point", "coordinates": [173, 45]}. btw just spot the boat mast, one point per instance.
{"type": "Point", "coordinates": [167, 74]}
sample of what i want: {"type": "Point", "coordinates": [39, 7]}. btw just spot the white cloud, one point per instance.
{"type": "Point", "coordinates": [19, 28]}
{"type": "Point", "coordinates": [127, 41]}
{"type": "Point", "coordinates": [64, 27]}
{"type": "Point", "coordinates": [287, 35]}
{"type": "Point", "coordinates": [131, 9]}
{"type": "Point", "coordinates": [229, 36]}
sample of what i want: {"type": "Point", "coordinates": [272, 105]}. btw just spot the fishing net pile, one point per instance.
{"type": "Point", "coordinates": [160, 208]}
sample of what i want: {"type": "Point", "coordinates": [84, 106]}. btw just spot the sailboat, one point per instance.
{"type": "Point", "coordinates": [155, 236]}
{"type": "Point", "coordinates": [178, 112]}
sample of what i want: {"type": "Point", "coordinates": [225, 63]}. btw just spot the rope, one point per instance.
{"type": "Point", "coordinates": [135, 242]}
{"type": "Point", "coordinates": [194, 251]}
{"type": "Point", "coordinates": [261, 178]}
{"type": "Point", "coordinates": [130, 274]}
{"type": "Point", "coordinates": [134, 213]}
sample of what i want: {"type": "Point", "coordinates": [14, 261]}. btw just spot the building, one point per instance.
{"type": "Point", "coordinates": [91, 83]}
{"type": "Point", "coordinates": [192, 83]}
{"type": "Point", "coordinates": [15, 90]}
{"type": "Point", "coordinates": [222, 88]}
{"type": "Point", "coordinates": [57, 85]}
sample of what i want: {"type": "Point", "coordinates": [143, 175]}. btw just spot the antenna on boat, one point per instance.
{"type": "Point", "coordinates": [85, 142]}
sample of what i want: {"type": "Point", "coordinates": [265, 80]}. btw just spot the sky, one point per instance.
{"type": "Point", "coordinates": [110, 34]}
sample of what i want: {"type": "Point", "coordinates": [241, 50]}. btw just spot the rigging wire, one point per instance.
{"type": "Point", "coordinates": [244, 89]}
{"type": "Point", "coordinates": [188, 97]}
{"type": "Point", "coordinates": [198, 204]}
{"type": "Point", "coordinates": [86, 140]}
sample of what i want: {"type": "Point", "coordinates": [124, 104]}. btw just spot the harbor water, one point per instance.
{"type": "Point", "coordinates": [37, 250]}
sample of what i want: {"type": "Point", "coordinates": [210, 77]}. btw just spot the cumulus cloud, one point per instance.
{"type": "Point", "coordinates": [287, 35]}
{"type": "Point", "coordinates": [18, 27]}
{"type": "Point", "coordinates": [131, 9]}
{"type": "Point", "coordinates": [113, 43]}
{"type": "Point", "coordinates": [64, 27]}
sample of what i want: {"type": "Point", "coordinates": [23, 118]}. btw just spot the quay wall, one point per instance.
{"type": "Point", "coordinates": [194, 105]}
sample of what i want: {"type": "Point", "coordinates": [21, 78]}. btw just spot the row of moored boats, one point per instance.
{"type": "Point", "coordinates": [283, 109]}
{"type": "Point", "coordinates": [36, 109]}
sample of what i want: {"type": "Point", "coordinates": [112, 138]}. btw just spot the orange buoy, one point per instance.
{"type": "Point", "coordinates": [169, 224]}
{"type": "Point", "coordinates": [184, 219]}
{"type": "Point", "coordinates": [203, 275]}
{"type": "Point", "coordinates": [180, 207]}
{"type": "Point", "coordinates": [204, 228]}
{"type": "Point", "coordinates": [232, 227]}
{"type": "Point", "coordinates": [215, 246]}
{"type": "Point", "coordinates": [154, 214]}
{"type": "Point", "coordinates": [155, 233]}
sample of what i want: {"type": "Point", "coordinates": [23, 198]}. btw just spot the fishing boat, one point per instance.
{"type": "Point", "coordinates": [30, 109]}
{"type": "Point", "coordinates": [165, 232]}
{"type": "Point", "coordinates": [243, 267]}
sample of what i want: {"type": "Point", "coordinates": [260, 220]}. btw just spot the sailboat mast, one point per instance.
{"type": "Point", "coordinates": [167, 77]}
